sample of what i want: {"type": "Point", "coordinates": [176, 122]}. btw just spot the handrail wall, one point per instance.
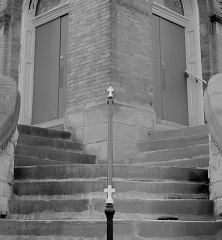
{"type": "Point", "coordinates": [213, 114]}
{"type": "Point", "coordinates": [213, 108]}
{"type": "Point", "coordinates": [9, 114]}
{"type": "Point", "coordinates": [9, 109]}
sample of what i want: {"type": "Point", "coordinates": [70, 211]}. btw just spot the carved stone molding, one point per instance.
{"type": "Point", "coordinates": [5, 18]}
{"type": "Point", "coordinates": [216, 18]}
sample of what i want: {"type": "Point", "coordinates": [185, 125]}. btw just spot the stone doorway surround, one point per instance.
{"type": "Point", "coordinates": [26, 68]}
{"type": "Point", "coordinates": [190, 21]}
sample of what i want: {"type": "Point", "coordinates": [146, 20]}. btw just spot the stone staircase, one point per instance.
{"type": "Point", "coordinates": [161, 193]}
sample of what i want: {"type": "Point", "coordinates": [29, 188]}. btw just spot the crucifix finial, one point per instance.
{"type": "Point", "coordinates": [109, 191]}
{"type": "Point", "coordinates": [110, 90]}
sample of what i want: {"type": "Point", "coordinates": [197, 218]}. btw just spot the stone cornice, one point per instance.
{"type": "Point", "coordinates": [5, 17]}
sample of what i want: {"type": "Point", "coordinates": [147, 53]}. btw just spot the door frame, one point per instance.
{"type": "Point", "coordinates": [26, 76]}
{"type": "Point", "coordinates": [193, 54]}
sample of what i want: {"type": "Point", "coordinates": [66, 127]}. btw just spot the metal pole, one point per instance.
{"type": "Point", "coordinates": [110, 211]}
{"type": "Point", "coordinates": [110, 142]}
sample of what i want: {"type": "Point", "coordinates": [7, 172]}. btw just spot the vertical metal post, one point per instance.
{"type": "Point", "coordinates": [110, 142]}
{"type": "Point", "coordinates": [110, 211]}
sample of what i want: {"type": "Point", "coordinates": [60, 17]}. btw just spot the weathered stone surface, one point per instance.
{"type": "Point", "coordinates": [74, 120]}
{"type": "Point", "coordinates": [146, 119]}
{"type": "Point", "coordinates": [6, 172]}
{"type": "Point", "coordinates": [99, 149]}
{"type": "Point", "coordinates": [122, 150]}
{"type": "Point", "coordinates": [125, 114]}
{"type": "Point", "coordinates": [215, 164]}
{"type": "Point", "coordinates": [71, 229]}
{"type": "Point", "coordinates": [130, 125]}
{"type": "Point", "coordinates": [173, 143]}
{"type": "Point", "coordinates": [119, 171]}
{"type": "Point", "coordinates": [125, 133]}
{"type": "Point", "coordinates": [7, 82]}
{"type": "Point", "coordinates": [169, 154]}
{"type": "Point", "coordinates": [8, 97]}
{"type": "Point", "coordinates": [143, 134]}
{"type": "Point", "coordinates": [95, 133]}
{"type": "Point", "coordinates": [95, 114]}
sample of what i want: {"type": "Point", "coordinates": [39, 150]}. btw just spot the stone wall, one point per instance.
{"type": "Point", "coordinates": [6, 174]}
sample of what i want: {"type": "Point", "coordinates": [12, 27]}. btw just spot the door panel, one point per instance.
{"type": "Point", "coordinates": [63, 66]}
{"type": "Point", "coordinates": [157, 93]}
{"type": "Point", "coordinates": [45, 97]}
{"type": "Point", "coordinates": [171, 92]}
{"type": "Point", "coordinates": [49, 96]}
{"type": "Point", "coordinates": [174, 94]}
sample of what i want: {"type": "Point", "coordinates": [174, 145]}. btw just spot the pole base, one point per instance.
{"type": "Point", "coordinates": [109, 211]}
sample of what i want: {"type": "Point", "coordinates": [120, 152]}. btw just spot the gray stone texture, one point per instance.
{"type": "Point", "coordinates": [6, 173]}
{"type": "Point", "coordinates": [130, 126]}
{"type": "Point", "coordinates": [213, 112]}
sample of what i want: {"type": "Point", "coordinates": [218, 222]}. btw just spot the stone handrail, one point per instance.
{"type": "Point", "coordinates": [213, 108]}
{"type": "Point", "coordinates": [9, 109]}
{"type": "Point", "coordinates": [213, 113]}
{"type": "Point", "coordinates": [9, 113]}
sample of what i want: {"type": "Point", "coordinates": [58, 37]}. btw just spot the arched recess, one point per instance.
{"type": "Point", "coordinates": [190, 21]}
{"type": "Point", "coordinates": [27, 55]}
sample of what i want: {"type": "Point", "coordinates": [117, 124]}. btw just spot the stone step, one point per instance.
{"type": "Point", "coordinates": [48, 142]}
{"type": "Point", "coordinates": [169, 154]}
{"type": "Point", "coordinates": [179, 133]}
{"type": "Point", "coordinates": [54, 154]}
{"type": "Point", "coordinates": [174, 143]}
{"type": "Point", "coordinates": [123, 230]}
{"type": "Point", "coordinates": [44, 132]}
{"type": "Point", "coordinates": [95, 215]}
{"type": "Point", "coordinates": [149, 209]}
{"type": "Point", "coordinates": [139, 172]}
{"type": "Point", "coordinates": [20, 160]}
{"type": "Point", "coordinates": [199, 162]}
{"type": "Point", "coordinates": [83, 186]}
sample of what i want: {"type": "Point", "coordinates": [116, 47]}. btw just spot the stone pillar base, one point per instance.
{"type": "Point", "coordinates": [130, 126]}
{"type": "Point", "coordinates": [215, 176]}
{"type": "Point", "coordinates": [7, 173]}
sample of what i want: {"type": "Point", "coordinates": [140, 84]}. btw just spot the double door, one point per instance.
{"type": "Point", "coordinates": [170, 86]}
{"type": "Point", "coordinates": [49, 93]}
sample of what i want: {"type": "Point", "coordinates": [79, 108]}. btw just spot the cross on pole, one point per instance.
{"type": "Point", "coordinates": [109, 191]}
{"type": "Point", "coordinates": [110, 90]}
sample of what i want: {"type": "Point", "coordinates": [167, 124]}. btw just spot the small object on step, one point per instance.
{"type": "Point", "coordinates": [3, 214]}
{"type": "Point", "coordinates": [168, 218]}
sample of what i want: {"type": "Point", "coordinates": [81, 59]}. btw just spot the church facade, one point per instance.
{"type": "Point", "coordinates": [64, 54]}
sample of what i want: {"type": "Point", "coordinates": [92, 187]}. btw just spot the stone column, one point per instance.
{"type": "Point", "coordinates": [110, 43]}
{"type": "Point", "coordinates": [213, 113]}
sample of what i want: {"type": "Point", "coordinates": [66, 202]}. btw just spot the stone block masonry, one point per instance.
{"type": "Point", "coordinates": [7, 173]}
